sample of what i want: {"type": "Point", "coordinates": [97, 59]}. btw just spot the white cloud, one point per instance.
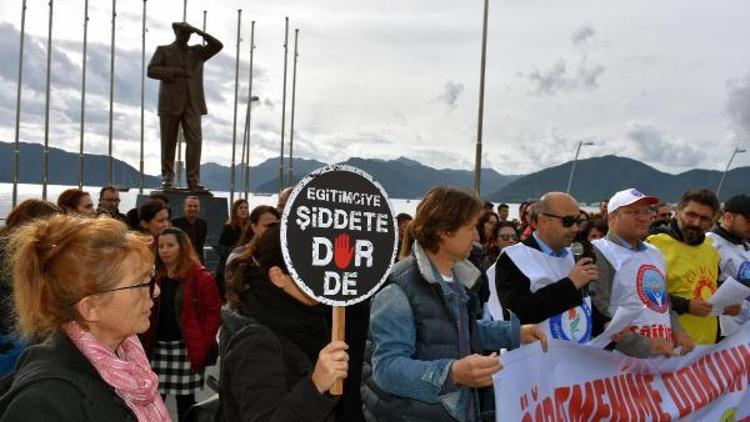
{"type": "Point", "coordinates": [370, 73]}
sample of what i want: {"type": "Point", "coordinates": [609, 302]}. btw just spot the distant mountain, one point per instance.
{"type": "Point", "coordinates": [401, 178]}
{"type": "Point", "coordinates": [406, 178]}
{"type": "Point", "coordinates": [64, 167]}
{"type": "Point", "coordinates": [598, 178]}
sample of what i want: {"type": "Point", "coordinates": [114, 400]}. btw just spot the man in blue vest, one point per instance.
{"type": "Point", "coordinates": [424, 351]}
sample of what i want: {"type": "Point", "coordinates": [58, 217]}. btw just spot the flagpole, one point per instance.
{"type": "Point", "coordinates": [248, 114]}
{"type": "Point", "coordinates": [17, 151]}
{"type": "Point", "coordinates": [234, 122]}
{"type": "Point", "coordinates": [45, 176]}
{"type": "Point", "coordinates": [480, 119]}
{"type": "Point", "coordinates": [283, 105]}
{"type": "Point", "coordinates": [110, 180]}
{"type": "Point", "coordinates": [291, 122]}
{"type": "Point", "coordinates": [83, 90]}
{"type": "Point", "coordinates": [143, 89]}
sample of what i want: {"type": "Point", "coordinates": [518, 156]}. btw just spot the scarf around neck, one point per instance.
{"type": "Point", "coordinates": [127, 371]}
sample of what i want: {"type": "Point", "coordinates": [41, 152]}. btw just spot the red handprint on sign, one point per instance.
{"type": "Point", "coordinates": [342, 252]}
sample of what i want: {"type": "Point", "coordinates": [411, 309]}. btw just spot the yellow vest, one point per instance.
{"type": "Point", "coordinates": [692, 273]}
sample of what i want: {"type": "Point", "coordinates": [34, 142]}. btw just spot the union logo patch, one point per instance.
{"type": "Point", "coordinates": [652, 288]}
{"type": "Point", "coordinates": [572, 325]}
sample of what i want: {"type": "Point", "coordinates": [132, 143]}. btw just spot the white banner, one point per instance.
{"type": "Point", "coordinates": [573, 382]}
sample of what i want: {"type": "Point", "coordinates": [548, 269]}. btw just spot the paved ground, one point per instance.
{"type": "Point", "coordinates": [200, 396]}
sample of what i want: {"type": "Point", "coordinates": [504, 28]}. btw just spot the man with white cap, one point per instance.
{"type": "Point", "coordinates": [730, 238]}
{"type": "Point", "coordinates": [632, 277]}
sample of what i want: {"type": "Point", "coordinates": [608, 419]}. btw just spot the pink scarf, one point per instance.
{"type": "Point", "coordinates": [128, 372]}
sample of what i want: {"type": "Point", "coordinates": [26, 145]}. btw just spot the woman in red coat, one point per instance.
{"type": "Point", "coordinates": [185, 319]}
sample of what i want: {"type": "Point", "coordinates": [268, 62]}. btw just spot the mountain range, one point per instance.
{"type": "Point", "coordinates": [595, 178]}
{"type": "Point", "coordinates": [401, 178]}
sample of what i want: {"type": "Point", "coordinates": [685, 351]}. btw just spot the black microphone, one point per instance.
{"type": "Point", "coordinates": [582, 250]}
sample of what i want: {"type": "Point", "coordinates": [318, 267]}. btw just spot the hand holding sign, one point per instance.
{"type": "Point", "coordinates": [339, 238]}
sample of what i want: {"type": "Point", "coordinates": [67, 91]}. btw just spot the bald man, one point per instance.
{"type": "Point", "coordinates": [539, 280]}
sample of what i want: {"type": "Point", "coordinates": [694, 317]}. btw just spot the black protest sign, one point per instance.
{"type": "Point", "coordinates": [339, 235]}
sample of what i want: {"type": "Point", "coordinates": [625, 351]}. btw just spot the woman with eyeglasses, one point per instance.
{"type": "Point", "coordinates": [82, 291]}
{"type": "Point", "coordinates": [505, 235]}
{"type": "Point", "coordinates": [182, 338]}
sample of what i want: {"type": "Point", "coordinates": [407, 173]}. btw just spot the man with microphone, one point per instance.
{"type": "Point", "coordinates": [539, 280]}
{"type": "Point", "coordinates": [632, 276]}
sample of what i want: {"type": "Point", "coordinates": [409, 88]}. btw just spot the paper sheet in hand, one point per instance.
{"type": "Point", "coordinates": [621, 320]}
{"type": "Point", "coordinates": [731, 292]}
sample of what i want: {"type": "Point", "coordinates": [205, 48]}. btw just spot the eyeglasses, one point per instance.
{"type": "Point", "coordinates": [567, 220]}
{"type": "Point", "coordinates": [705, 220]}
{"type": "Point", "coordinates": [664, 215]}
{"type": "Point", "coordinates": [151, 284]}
{"type": "Point", "coordinates": [507, 237]}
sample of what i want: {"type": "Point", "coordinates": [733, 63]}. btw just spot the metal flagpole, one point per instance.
{"type": "Point", "coordinates": [143, 89]}
{"type": "Point", "coordinates": [180, 133]}
{"type": "Point", "coordinates": [480, 120]}
{"type": "Point", "coordinates": [291, 122]}
{"type": "Point", "coordinates": [45, 176]}
{"type": "Point", "coordinates": [110, 180]}
{"type": "Point", "coordinates": [234, 123]}
{"type": "Point", "coordinates": [248, 114]}
{"type": "Point", "coordinates": [83, 89]}
{"type": "Point", "coordinates": [283, 105]}
{"type": "Point", "coordinates": [204, 25]}
{"type": "Point", "coordinates": [17, 151]}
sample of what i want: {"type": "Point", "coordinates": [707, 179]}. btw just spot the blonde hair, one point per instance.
{"type": "Point", "coordinates": [58, 261]}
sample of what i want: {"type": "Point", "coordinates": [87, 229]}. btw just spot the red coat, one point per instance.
{"type": "Point", "coordinates": [199, 313]}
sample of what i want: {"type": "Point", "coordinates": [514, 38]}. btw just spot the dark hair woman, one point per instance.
{"type": "Point", "coordinates": [76, 201]}
{"type": "Point", "coordinates": [261, 218]}
{"type": "Point", "coordinates": [230, 236]}
{"type": "Point", "coordinates": [82, 289]}
{"type": "Point", "coordinates": [276, 361]}
{"type": "Point", "coordinates": [185, 320]}
{"type": "Point", "coordinates": [153, 216]}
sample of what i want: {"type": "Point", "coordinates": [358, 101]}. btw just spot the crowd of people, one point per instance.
{"type": "Point", "coordinates": [104, 314]}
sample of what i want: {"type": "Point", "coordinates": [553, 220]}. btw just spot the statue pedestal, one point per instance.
{"type": "Point", "coordinates": [215, 210]}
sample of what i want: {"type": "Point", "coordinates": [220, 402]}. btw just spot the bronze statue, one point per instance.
{"type": "Point", "coordinates": [179, 67]}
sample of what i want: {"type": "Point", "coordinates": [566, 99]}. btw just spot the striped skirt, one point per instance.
{"type": "Point", "coordinates": [171, 364]}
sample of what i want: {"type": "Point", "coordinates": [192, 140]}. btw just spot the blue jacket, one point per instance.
{"type": "Point", "coordinates": [395, 343]}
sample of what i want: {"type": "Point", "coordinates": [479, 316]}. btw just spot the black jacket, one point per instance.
{"type": "Point", "coordinates": [514, 290]}
{"type": "Point", "coordinates": [201, 230]}
{"type": "Point", "coordinates": [55, 382]}
{"type": "Point", "coordinates": [268, 353]}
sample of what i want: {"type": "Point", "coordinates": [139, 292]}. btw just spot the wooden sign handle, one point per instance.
{"type": "Point", "coordinates": [338, 329]}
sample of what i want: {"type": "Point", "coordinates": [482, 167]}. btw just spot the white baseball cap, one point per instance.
{"type": "Point", "coordinates": [627, 197]}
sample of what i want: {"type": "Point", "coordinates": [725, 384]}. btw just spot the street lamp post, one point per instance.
{"type": "Point", "coordinates": [737, 150]}
{"type": "Point", "coordinates": [575, 159]}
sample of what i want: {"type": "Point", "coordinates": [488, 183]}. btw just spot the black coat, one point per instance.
{"type": "Point", "coordinates": [199, 237]}
{"type": "Point", "coordinates": [514, 290]}
{"type": "Point", "coordinates": [55, 382]}
{"type": "Point", "coordinates": [268, 353]}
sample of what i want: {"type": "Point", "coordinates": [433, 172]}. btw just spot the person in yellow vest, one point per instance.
{"type": "Point", "coordinates": [692, 264]}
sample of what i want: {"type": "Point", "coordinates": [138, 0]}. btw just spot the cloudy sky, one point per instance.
{"type": "Point", "coordinates": [664, 82]}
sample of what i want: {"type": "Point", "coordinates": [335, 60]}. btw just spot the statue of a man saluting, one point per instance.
{"type": "Point", "coordinates": [179, 67]}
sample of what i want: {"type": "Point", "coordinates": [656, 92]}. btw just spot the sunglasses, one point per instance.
{"type": "Point", "coordinates": [507, 237]}
{"type": "Point", "coordinates": [567, 220]}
